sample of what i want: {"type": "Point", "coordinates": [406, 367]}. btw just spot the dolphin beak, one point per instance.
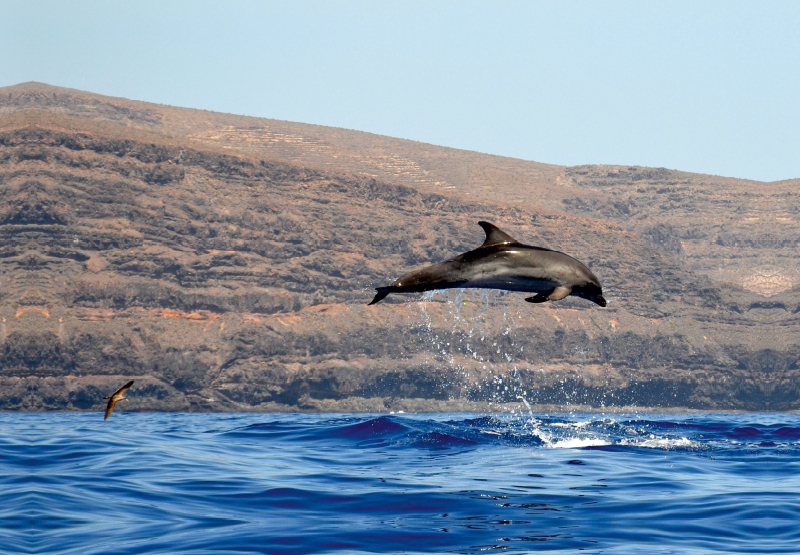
{"type": "Point", "coordinates": [600, 300]}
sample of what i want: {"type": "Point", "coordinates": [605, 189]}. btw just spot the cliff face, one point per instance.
{"type": "Point", "coordinates": [224, 263]}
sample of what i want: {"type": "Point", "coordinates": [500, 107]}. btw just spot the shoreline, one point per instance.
{"type": "Point", "coordinates": [362, 405]}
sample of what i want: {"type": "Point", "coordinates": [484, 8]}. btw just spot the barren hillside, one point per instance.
{"type": "Point", "coordinates": [225, 262]}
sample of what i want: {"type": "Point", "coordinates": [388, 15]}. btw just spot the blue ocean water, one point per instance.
{"type": "Point", "coordinates": [448, 483]}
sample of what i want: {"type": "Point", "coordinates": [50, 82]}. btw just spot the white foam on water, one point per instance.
{"type": "Point", "coordinates": [572, 424]}
{"type": "Point", "coordinates": [578, 435]}
{"type": "Point", "coordinates": [552, 442]}
{"type": "Point", "coordinates": [578, 443]}
{"type": "Point", "coordinates": [659, 443]}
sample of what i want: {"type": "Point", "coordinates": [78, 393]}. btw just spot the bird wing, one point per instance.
{"type": "Point", "coordinates": [115, 397]}
{"type": "Point", "coordinates": [123, 389]}
{"type": "Point", "coordinates": [110, 407]}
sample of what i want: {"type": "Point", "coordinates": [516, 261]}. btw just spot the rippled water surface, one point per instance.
{"type": "Point", "coordinates": [284, 484]}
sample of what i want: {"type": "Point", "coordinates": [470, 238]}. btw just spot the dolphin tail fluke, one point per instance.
{"type": "Point", "coordinates": [382, 293]}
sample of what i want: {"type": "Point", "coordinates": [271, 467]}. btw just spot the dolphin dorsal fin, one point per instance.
{"type": "Point", "coordinates": [494, 236]}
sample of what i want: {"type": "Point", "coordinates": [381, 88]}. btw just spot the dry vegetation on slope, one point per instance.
{"type": "Point", "coordinates": [224, 262]}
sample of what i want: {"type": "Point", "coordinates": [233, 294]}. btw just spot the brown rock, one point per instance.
{"type": "Point", "coordinates": [225, 262]}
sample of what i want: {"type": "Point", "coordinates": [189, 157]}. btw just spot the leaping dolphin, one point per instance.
{"type": "Point", "coordinates": [502, 262]}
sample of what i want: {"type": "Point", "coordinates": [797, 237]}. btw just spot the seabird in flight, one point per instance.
{"type": "Point", "coordinates": [117, 396]}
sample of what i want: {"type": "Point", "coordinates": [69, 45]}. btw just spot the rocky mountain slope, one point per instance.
{"type": "Point", "coordinates": [225, 263]}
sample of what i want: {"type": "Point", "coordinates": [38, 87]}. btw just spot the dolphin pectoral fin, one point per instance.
{"type": "Point", "coordinates": [556, 294]}
{"type": "Point", "coordinates": [559, 293]}
{"type": "Point", "coordinates": [382, 293]}
{"type": "Point", "coordinates": [539, 298]}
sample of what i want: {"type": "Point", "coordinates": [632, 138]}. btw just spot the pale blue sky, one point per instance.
{"type": "Point", "coordinates": [712, 87]}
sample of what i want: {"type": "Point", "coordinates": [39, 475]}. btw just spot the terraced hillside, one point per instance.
{"type": "Point", "coordinates": [225, 263]}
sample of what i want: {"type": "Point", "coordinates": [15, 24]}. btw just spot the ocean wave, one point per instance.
{"type": "Point", "coordinates": [302, 484]}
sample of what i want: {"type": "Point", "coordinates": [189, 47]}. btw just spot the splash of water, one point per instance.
{"type": "Point", "coordinates": [477, 355]}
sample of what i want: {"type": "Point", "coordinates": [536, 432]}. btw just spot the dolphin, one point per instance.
{"type": "Point", "coordinates": [502, 262]}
